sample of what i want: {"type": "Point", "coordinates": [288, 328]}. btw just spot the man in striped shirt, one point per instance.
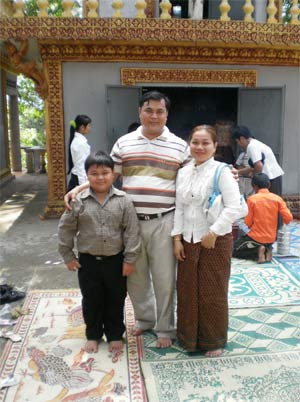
{"type": "Point", "coordinates": [148, 160]}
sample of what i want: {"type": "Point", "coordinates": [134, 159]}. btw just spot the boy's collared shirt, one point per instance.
{"type": "Point", "coordinates": [101, 229]}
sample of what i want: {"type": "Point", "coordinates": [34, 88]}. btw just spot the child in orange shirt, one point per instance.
{"type": "Point", "coordinates": [262, 219]}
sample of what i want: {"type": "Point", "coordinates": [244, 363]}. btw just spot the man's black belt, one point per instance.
{"type": "Point", "coordinates": [145, 217]}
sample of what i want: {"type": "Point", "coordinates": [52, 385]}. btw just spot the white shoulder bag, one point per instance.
{"type": "Point", "coordinates": [215, 201]}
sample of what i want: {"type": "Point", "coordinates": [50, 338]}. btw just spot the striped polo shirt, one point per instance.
{"type": "Point", "coordinates": [149, 168]}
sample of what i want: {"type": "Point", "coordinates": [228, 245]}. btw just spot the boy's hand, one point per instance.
{"type": "Point", "coordinates": [73, 265]}
{"type": "Point", "coordinates": [127, 268]}
{"type": "Point", "coordinates": [70, 196]}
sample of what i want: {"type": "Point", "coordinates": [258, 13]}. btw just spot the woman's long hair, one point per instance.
{"type": "Point", "coordinates": [80, 120]}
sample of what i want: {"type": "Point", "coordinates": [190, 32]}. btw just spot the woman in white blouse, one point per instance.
{"type": "Point", "coordinates": [203, 249]}
{"type": "Point", "coordinates": [79, 149]}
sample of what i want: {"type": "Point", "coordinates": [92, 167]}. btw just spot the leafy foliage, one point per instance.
{"type": "Point", "coordinates": [286, 10]}
{"type": "Point", "coordinates": [55, 8]}
{"type": "Point", "coordinates": [31, 114]}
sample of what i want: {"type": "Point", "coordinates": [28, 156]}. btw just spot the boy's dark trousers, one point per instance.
{"type": "Point", "coordinates": [103, 290]}
{"type": "Point", "coordinates": [247, 248]}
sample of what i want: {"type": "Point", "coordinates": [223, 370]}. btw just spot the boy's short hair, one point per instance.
{"type": "Point", "coordinates": [240, 131]}
{"type": "Point", "coordinates": [99, 158]}
{"type": "Point", "coordinates": [154, 95]}
{"type": "Point", "coordinates": [260, 180]}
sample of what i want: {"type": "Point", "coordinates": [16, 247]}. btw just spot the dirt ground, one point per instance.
{"type": "Point", "coordinates": [28, 245]}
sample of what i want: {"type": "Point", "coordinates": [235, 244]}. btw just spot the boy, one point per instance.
{"type": "Point", "coordinates": [262, 217]}
{"type": "Point", "coordinates": [104, 222]}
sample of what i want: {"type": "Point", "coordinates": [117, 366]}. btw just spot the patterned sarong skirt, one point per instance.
{"type": "Point", "coordinates": [202, 291]}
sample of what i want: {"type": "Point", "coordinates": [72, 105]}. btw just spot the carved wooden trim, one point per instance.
{"type": "Point", "coordinates": [55, 141]}
{"type": "Point", "coordinates": [167, 53]}
{"type": "Point", "coordinates": [150, 10]}
{"type": "Point", "coordinates": [152, 30]}
{"type": "Point", "coordinates": [30, 69]}
{"type": "Point", "coordinates": [132, 76]}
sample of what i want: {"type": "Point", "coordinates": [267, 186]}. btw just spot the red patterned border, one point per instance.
{"type": "Point", "coordinates": [134, 353]}
{"type": "Point", "coordinates": [12, 351]}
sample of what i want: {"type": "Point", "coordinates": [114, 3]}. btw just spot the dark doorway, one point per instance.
{"type": "Point", "coordinates": [191, 106]}
{"type": "Point", "coordinates": [261, 109]}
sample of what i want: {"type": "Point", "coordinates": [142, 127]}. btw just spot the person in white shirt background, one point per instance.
{"type": "Point", "coordinates": [203, 248]}
{"type": "Point", "coordinates": [79, 149]}
{"type": "Point", "coordinates": [261, 158]}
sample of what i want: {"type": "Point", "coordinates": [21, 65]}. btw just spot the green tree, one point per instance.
{"type": "Point", "coordinates": [31, 114]}
{"type": "Point", "coordinates": [286, 10]}
{"type": "Point", "coordinates": [55, 8]}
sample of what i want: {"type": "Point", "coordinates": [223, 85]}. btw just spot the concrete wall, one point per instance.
{"type": "Point", "coordinates": [84, 92]}
{"type": "Point", "coordinates": [290, 79]}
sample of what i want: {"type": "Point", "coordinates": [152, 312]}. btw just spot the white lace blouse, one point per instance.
{"type": "Point", "coordinates": [194, 186]}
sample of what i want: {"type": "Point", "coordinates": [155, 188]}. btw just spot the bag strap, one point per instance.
{"type": "Point", "coordinates": [220, 167]}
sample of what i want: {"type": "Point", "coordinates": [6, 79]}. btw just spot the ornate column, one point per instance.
{"type": "Point", "coordinates": [248, 10]}
{"type": "Point", "coordinates": [15, 133]}
{"type": "Point", "coordinates": [165, 7]}
{"type": "Point", "coordinates": [92, 6]}
{"type": "Point", "coordinates": [117, 5]}
{"type": "Point", "coordinates": [295, 11]}
{"type": "Point", "coordinates": [55, 140]}
{"type": "Point", "coordinates": [43, 6]}
{"type": "Point", "coordinates": [272, 10]}
{"type": "Point", "coordinates": [19, 9]}
{"type": "Point", "coordinates": [67, 6]}
{"type": "Point", "coordinates": [224, 8]}
{"type": "Point", "coordinates": [141, 6]}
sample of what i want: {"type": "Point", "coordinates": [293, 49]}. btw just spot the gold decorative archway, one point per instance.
{"type": "Point", "coordinates": [133, 76]}
{"type": "Point", "coordinates": [128, 76]}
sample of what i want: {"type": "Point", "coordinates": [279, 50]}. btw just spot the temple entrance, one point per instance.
{"type": "Point", "coordinates": [261, 109]}
{"type": "Point", "coordinates": [192, 106]}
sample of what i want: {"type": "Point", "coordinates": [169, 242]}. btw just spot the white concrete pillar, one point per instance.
{"type": "Point", "coordinates": [260, 12]}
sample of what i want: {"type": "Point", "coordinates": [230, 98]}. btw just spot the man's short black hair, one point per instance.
{"type": "Point", "coordinates": [99, 158]}
{"type": "Point", "coordinates": [240, 131]}
{"type": "Point", "coordinates": [260, 180]}
{"type": "Point", "coordinates": [155, 95]}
